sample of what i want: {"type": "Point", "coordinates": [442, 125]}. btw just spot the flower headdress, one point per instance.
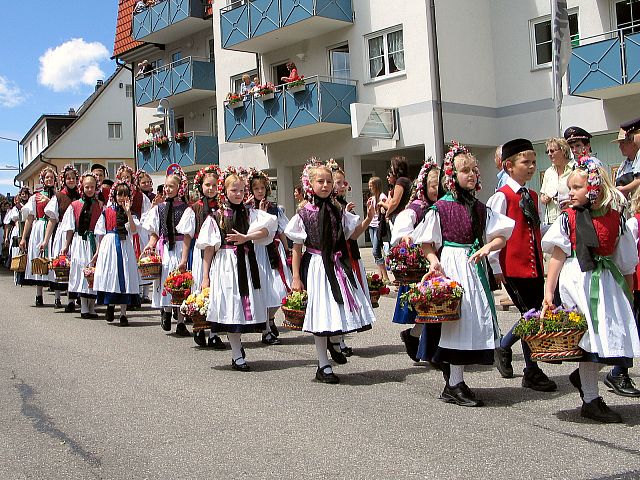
{"type": "Point", "coordinates": [137, 175]}
{"type": "Point", "coordinates": [230, 170]}
{"type": "Point", "coordinates": [82, 177]}
{"type": "Point", "coordinates": [594, 181]}
{"type": "Point", "coordinates": [199, 178]}
{"type": "Point", "coordinates": [449, 167]}
{"type": "Point", "coordinates": [175, 169]}
{"type": "Point", "coordinates": [428, 165]}
{"type": "Point", "coordinates": [307, 188]}
{"type": "Point", "coordinates": [125, 168]}
{"type": "Point", "coordinates": [67, 168]}
{"type": "Point", "coordinates": [255, 174]}
{"type": "Point", "coordinates": [114, 188]}
{"type": "Point", "coordinates": [43, 173]}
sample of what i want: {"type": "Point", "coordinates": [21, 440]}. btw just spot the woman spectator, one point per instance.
{"type": "Point", "coordinates": [401, 193]}
{"type": "Point", "coordinates": [375, 188]}
{"type": "Point", "coordinates": [293, 73]}
{"type": "Point", "coordinates": [247, 85]}
{"type": "Point", "coordinates": [554, 193]}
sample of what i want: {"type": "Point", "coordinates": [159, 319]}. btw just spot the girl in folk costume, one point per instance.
{"type": "Point", "coordinates": [161, 222]}
{"type": "Point", "coordinates": [35, 229]}
{"type": "Point", "coordinates": [116, 278]}
{"type": "Point", "coordinates": [337, 303]}
{"type": "Point", "coordinates": [15, 220]}
{"type": "Point", "coordinates": [593, 260]}
{"type": "Point", "coordinates": [55, 210]}
{"type": "Point", "coordinates": [143, 183]}
{"type": "Point", "coordinates": [206, 181]}
{"type": "Point", "coordinates": [237, 302]}
{"type": "Point", "coordinates": [453, 236]}
{"type": "Point", "coordinates": [275, 276]}
{"type": "Point", "coordinates": [79, 223]}
{"type": "Point", "coordinates": [426, 194]}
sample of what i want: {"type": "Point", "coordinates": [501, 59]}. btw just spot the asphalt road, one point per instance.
{"type": "Point", "coordinates": [83, 399]}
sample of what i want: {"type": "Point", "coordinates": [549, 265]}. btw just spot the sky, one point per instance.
{"type": "Point", "coordinates": [51, 55]}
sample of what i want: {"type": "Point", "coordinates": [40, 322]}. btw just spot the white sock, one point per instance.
{"type": "Point", "coordinates": [342, 344]}
{"type": "Point", "coordinates": [457, 375]}
{"type": "Point", "coordinates": [417, 329]}
{"type": "Point", "coordinates": [123, 309]}
{"type": "Point", "coordinates": [589, 380]}
{"type": "Point", "coordinates": [57, 293]}
{"type": "Point", "coordinates": [235, 339]}
{"type": "Point", "coordinates": [39, 289]}
{"type": "Point", "coordinates": [84, 305]}
{"type": "Point", "coordinates": [321, 349]}
{"type": "Point", "coordinates": [92, 305]}
{"type": "Point", "coordinates": [145, 291]}
{"type": "Point", "coordinates": [335, 339]}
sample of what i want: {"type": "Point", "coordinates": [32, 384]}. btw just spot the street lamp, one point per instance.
{"type": "Point", "coordinates": [166, 113]}
{"type": "Point", "coordinates": [10, 167]}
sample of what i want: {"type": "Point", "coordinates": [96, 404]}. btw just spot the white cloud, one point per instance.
{"type": "Point", "coordinates": [10, 93]}
{"type": "Point", "coordinates": [72, 64]}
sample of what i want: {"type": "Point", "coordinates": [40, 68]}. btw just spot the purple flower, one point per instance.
{"type": "Point", "coordinates": [403, 251]}
{"type": "Point", "coordinates": [531, 314]}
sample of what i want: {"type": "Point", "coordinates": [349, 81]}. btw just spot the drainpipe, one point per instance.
{"type": "Point", "coordinates": [434, 66]}
{"type": "Point", "coordinates": [133, 103]}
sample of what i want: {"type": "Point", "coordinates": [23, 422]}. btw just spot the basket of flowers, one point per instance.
{"type": "Point", "coordinates": [435, 298]}
{"type": "Point", "coordinates": [61, 267]}
{"type": "Point", "coordinates": [195, 308]}
{"type": "Point", "coordinates": [40, 265]}
{"type": "Point", "coordinates": [407, 263]}
{"type": "Point", "coordinates": [554, 337]}
{"type": "Point", "coordinates": [376, 288]}
{"type": "Point", "coordinates": [178, 284]}
{"type": "Point", "coordinates": [145, 146]}
{"type": "Point", "coordinates": [150, 265]}
{"type": "Point", "coordinates": [19, 263]}
{"type": "Point", "coordinates": [294, 307]}
{"type": "Point", "coordinates": [89, 272]}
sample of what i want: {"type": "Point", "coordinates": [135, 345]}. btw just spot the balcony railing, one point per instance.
{"type": "Point", "coordinates": [323, 105]}
{"type": "Point", "coordinates": [169, 20]}
{"type": "Point", "coordinates": [197, 148]}
{"type": "Point", "coordinates": [188, 79]}
{"type": "Point", "coordinates": [257, 25]}
{"type": "Point", "coordinates": [607, 66]}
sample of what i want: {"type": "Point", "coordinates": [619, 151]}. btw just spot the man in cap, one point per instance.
{"type": "Point", "coordinates": [628, 175]}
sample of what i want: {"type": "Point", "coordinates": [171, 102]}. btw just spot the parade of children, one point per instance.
{"type": "Point", "coordinates": [219, 252]}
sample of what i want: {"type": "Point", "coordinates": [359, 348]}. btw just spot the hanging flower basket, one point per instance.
{"type": "Point", "coordinates": [265, 96]}
{"type": "Point", "coordinates": [195, 308]}
{"type": "Point", "coordinates": [89, 273]}
{"type": "Point", "coordinates": [150, 265]}
{"type": "Point", "coordinates": [178, 285]}
{"type": "Point", "coordinates": [436, 299]}
{"type": "Point", "coordinates": [407, 263]}
{"type": "Point", "coordinates": [294, 307]}
{"type": "Point", "coordinates": [376, 288]}
{"type": "Point", "coordinates": [145, 146]}
{"type": "Point", "coordinates": [181, 138]}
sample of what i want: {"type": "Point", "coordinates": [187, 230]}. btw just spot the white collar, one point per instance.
{"type": "Point", "coordinates": [513, 185]}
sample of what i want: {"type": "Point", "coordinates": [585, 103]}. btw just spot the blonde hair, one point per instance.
{"type": "Point", "coordinates": [313, 171]}
{"type": "Point", "coordinates": [635, 201]}
{"type": "Point", "coordinates": [514, 158]}
{"type": "Point", "coordinates": [465, 159]}
{"type": "Point", "coordinates": [562, 144]}
{"type": "Point", "coordinates": [609, 196]}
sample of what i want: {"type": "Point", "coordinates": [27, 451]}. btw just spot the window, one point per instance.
{"type": "Point", "coordinates": [176, 56]}
{"type": "Point", "coordinates": [44, 141]}
{"type": "Point", "coordinates": [386, 52]}
{"type": "Point", "coordinates": [82, 167]}
{"type": "Point", "coordinates": [115, 130]}
{"type": "Point", "coordinates": [541, 39]}
{"type": "Point", "coordinates": [37, 142]}
{"type": "Point", "coordinates": [211, 51]}
{"type": "Point", "coordinates": [112, 168]}
{"type": "Point", "coordinates": [339, 64]}
{"type": "Point", "coordinates": [128, 90]}
{"type": "Point", "coordinates": [627, 16]}
{"type": "Point", "coordinates": [236, 80]}
{"type": "Point", "coordinates": [179, 125]}
{"type": "Point", "coordinates": [213, 118]}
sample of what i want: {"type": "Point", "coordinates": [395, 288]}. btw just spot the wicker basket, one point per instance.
{"type": "Point", "coordinates": [552, 347]}
{"type": "Point", "coordinates": [40, 266]}
{"type": "Point", "coordinates": [178, 296]}
{"type": "Point", "coordinates": [19, 263]}
{"type": "Point", "coordinates": [150, 271]}
{"type": "Point", "coordinates": [199, 322]}
{"type": "Point", "coordinates": [293, 319]}
{"type": "Point", "coordinates": [62, 273]}
{"type": "Point", "coordinates": [438, 312]}
{"type": "Point", "coordinates": [90, 279]}
{"type": "Point", "coordinates": [405, 277]}
{"type": "Point", "coordinates": [375, 297]}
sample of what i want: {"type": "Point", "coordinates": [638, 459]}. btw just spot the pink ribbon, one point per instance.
{"type": "Point", "coordinates": [342, 278]}
{"type": "Point", "coordinates": [246, 303]}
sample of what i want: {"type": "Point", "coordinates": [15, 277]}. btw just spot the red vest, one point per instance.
{"type": "Point", "coordinates": [518, 257]}
{"type": "Point", "coordinates": [607, 228]}
{"type": "Point", "coordinates": [96, 210]}
{"type": "Point", "coordinates": [110, 219]}
{"type": "Point", "coordinates": [41, 202]}
{"type": "Point", "coordinates": [136, 203]}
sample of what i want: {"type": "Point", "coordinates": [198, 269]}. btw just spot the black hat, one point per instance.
{"type": "Point", "coordinates": [573, 134]}
{"type": "Point", "coordinates": [97, 166]}
{"type": "Point", "coordinates": [513, 147]}
{"type": "Point", "coordinates": [631, 126]}
{"type": "Point", "coordinates": [107, 182]}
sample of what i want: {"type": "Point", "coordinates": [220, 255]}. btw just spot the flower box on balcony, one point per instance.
{"type": "Point", "coordinates": [265, 96]}
{"type": "Point", "coordinates": [296, 88]}
{"type": "Point", "coordinates": [162, 142]}
{"type": "Point", "coordinates": [145, 146]}
{"type": "Point", "coordinates": [181, 138]}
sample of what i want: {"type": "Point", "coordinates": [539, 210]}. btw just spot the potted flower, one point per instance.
{"type": "Point", "coordinates": [150, 265]}
{"type": "Point", "coordinates": [294, 307]}
{"type": "Point", "coordinates": [162, 141]}
{"type": "Point", "coordinates": [61, 266]}
{"type": "Point", "coordinates": [178, 284]}
{"type": "Point", "coordinates": [145, 146]}
{"type": "Point", "coordinates": [181, 137]}
{"type": "Point", "coordinates": [435, 298]}
{"type": "Point", "coordinates": [376, 288]}
{"type": "Point", "coordinates": [554, 337]}
{"type": "Point", "coordinates": [89, 273]}
{"type": "Point", "coordinates": [265, 92]}
{"type": "Point", "coordinates": [407, 263]}
{"type": "Point", "coordinates": [234, 100]}
{"type": "Point", "coordinates": [297, 85]}
{"type": "Point", "coordinates": [195, 307]}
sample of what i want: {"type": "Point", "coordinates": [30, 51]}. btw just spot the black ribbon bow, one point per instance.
{"type": "Point", "coordinates": [586, 238]}
{"type": "Point", "coordinates": [529, 208]}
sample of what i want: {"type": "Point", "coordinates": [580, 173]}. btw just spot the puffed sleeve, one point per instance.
{"type": "Point", "coordinates": [429, 230]}
{"type": "Point", "coordinates": [146, 204]}
{"type": "Point", "coordinates": [29, 208]}
{"type": "Point", "coordinates": [136, 223]}
{"type": "Point", "coordinates": [403, 226]}
{"type": "Point", "coordinates": [151, 221]}
{"type": "Point", "coordinates": [209, 235]}
{"type": "Point", "coordinates": [498, 225]}
{"type": "Point", "coordinates": [350, 222]}
{"type": "Point", "coordinates": [259, 220]}
{"type": "Point", "coordinates": [558, 236]}
{"type": "Point", "coordinates": [282, 219]}
{"type": "Point", "coordinates": [68, 221]}
{"type": "Point", "coordinates": [12, 216]}
{"type": "Point", "coordinates": [101, 227]}
{"type": "Point", "coordinates": [51, 210]}
{"type": "Point", "coordinates": [295, 230]}
{"type": "Point", "coordinates": [625, 256]}
{"type": "Point", "coordinates": [187, 224]}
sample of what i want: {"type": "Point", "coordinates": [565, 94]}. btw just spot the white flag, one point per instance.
{"type": "Point", "coordinates": [561, 45]}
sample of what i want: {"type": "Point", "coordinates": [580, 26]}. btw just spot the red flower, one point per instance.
{"type": "Point", "coordinates": [284, 301]}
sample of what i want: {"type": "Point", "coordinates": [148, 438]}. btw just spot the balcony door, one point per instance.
{"type": "Point", "coordinates": [278, 71]}
{"type": "Point", "coordinates": [339, 62]}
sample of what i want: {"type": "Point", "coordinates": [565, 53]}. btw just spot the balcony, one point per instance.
{"type": "Point", "coordinates": [196, 149]}
{"type": "Point", "coordinates": [187, 80]}
{"type": "Point", "coordinates": [606, 68]}
{"type": "Point", "coordinates": [169, 20]}
{"type": "Point", "coordinates": [321, 106]}
{"type": "Point", "coordinates": [263, 25]}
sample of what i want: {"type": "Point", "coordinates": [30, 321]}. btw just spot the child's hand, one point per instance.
{"type": "Point", "coordinates": [127, 205]}
{"type": "Point", "coordinates": [182, 267]}
{"type": "Point", "coordinates": [237, 237]}
{"type": "Point", "coordinates": [371, 211]}
{"type": "Point", "coordinates": [547, 304]}
{"type": "Point", "coordinates": [157, 200]}
{"type": "Point", "coordinates": [436, 267]}
{"type": "Point", "coordinates": [205, 283]}
{"type": "Point", "coordinates": [499, 278]}
{"type": "Point", "coordinates": [407, 240]}
{"type": "Point", "coordinates": [264, 204]}
{"type": "Point", "coordinates": [296, 285]}
{"type": "Point", "coordinates": [351, 207]}
{"type": "Point", "coordinates": [41, 247]}
{"type": "Point", "coordinates": [479, 255]}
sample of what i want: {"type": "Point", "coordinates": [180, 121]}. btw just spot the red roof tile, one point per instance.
{"type": "Point", "coordinates": [124, 42]}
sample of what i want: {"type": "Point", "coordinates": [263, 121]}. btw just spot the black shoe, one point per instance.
{"type": "Point", "coordinates": [175, 313]}
{"type": "Point", "coordinates": [216, 343]}
{"type": "Point", "coordinates": [503, 362]}
{"type": "Point", "coordinates": [89, 316]}
{"type": "Point", "coordinates": [242, 352]}
{"type": "Point", "coordinates": [110, 315]}
{"type": "Point", "coordinates": [535, 379]}
{"type": "Point", "coordinates": [411, 344]}
{"type": "Point", "coordinates": [346, 351]}
{"type": "Point", "coordinates": [181, 330]}
{"type": "Point", "coordinates": [599, 411]}
{"type": "Point", "coordinates": [574, 378]}
{"type": "Point", "coordinates": [39, 301]}
{"type": "Point", "coordinates": [124, 321]}
{"type": "Point", "coordinates": [71, 307]}
{"type": "Point", "coordinates": [621, 385]}
{"type": "Point", "coordinates": [57, 303]}
{"type": "Point", "coordinates": [336, 353]}
{"type": "Point", "coordinates": [199, 338]}
{"type": "Point", "coordinates": [326, 377]}
{"type": "Point", "coordinates": [146, 300]}
{"type": "Point", "coordinates": [165, 321]}
{"type": "Point", "coordinates": [274, 329]}
{"type": "Point", "coordinates": [460, 395]}
{"type": "Point", "coordinates": [270, 339]}
{"type": "Point", "coordinates": [243, 367]}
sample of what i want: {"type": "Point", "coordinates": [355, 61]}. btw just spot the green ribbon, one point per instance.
{"type": "Point", "coordinates": [484, 280]}
{"type": "Point", "coordinates": [91, 238]}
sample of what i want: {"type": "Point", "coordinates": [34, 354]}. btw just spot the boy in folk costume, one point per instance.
{"type": "Point", "coordinates": [519, 265]}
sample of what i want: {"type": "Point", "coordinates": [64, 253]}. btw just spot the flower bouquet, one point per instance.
{"type": "Point", "coordinates": [376, 288]}
{"type": "Point", "coordinates": [196, 307]}
{"type": "Point", "coordinates": [178, 285]}
{"type": "Point", "coordinates": [145, 146]}
{"type": "Point", "coordinates": [181, 137]}
{"type": "Point", "coordinates": [162, 141]}
{"type": "Point", "coordinates": [150, 265]}
{"type": "Point", "coordinates": [294, 307]}
{"type": "Point", "coordinates": [407, 263]}
{"type": "Point", "coordinates": [89, 272]}
{"type": "Point", "coordinates": [554, 337]}
{"type": "Point", "coordinates": [435, 298]}
{"type": "Point", "coordinates": [61, 267]}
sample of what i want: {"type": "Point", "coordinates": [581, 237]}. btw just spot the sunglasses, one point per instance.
{"type": "Point", "coordinates": [551, 152]}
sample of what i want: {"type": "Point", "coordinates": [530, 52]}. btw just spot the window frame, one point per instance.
{"type": "Point", "coordinates": [333, 48]}
{"type": "Point", "coordinates": [79, 167]}
{"type": "Point", "coordinates": [532, 38]}
{"type": "Point", "coordinates": [614, 18]}
{"type": "Point", "coordinates": [128, 90]}
{"type": "Point", "coordinates": [238, 78]}
{"type": "Point", "coordinates": [113, 165]}
{"type": "Point", "coordinates": [367, 60]}
{"type": "Point", "coordinates": [114, 124]}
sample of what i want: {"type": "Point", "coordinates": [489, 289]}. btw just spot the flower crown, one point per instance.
{"type": "Point", "coordinates": [125, 168]}
{"type": "Point", "coordinates": [428, 165]}
{"type": "Point", "coordinates": [82, 177]}
{"type": "Point", "coordinates": [594, 180]}
{"type": "Point", "coordinates": [175, 169]}
{"type": "Point", "coordinates": [199, 178]}
{"type": "Point", "coordinates": [68, 167]}
{"type": "Point", "coordinates": [241, 172]}
{"type": "Point", "coordinates": [307, 188]}
{"type": "Point", "coordinates": [255, 174]}
{"type": "Point", "coordinates": [449, 167]}
{"type": "Point", "coordinates": [43, 173]}
{"type": "Point", "coordinates": [114, 187]}
{"type": "Point", "coordinates": [137, 175]}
